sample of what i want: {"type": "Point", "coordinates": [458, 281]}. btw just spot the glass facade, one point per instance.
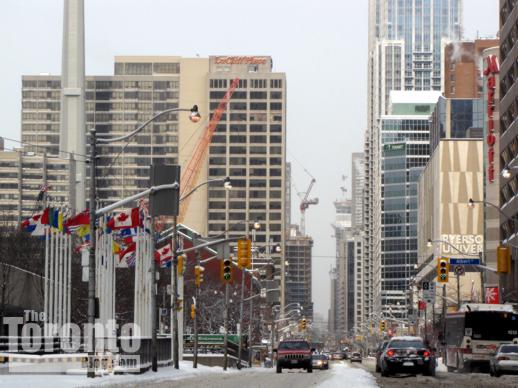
{"type": "Point", "coordinates": [405, 152]}
{"type": "Point", "coordinates": [456, 119]}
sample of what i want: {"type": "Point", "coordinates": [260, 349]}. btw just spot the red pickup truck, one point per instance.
{"type": "Point", "coordinates": [294, 354]}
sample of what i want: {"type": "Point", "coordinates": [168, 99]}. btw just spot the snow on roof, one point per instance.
{"type": "Point", "coordinates": [487, 307]}
{"type": "Point", "coordinates": [414, 97]}
{"type": "Point", "coordinates": [406, 338]}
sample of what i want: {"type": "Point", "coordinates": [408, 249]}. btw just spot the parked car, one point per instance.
{"type": "Point", "coordinates": [320, 361]}
{"type": "Point", "coordinates": [356, 357]}
{"type": "Point", "coordinates": [505, 360]}
{"type": "Point", "coordinates": [294, 354]}
{"type": "Point", "coordinates": [405, 354]}
{"type": "Point", "coordinates": [379, 351]}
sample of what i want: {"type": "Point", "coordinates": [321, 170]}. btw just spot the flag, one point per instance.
{"type": "Point", "coordinates": [130, 259]}
{"type": "Point", "coordinates": [116, 248]}
{"type": "Point", "coordinates": [125, 220]}
{"type": "Point", "coordinates": [30, 223]}
{"type": "Point", "coordinates": [163, 255]}
{"type": "Point", "coordinates": [54, 217]}
{"type": "Point", "coordinates": [492, 295]}
{"type": "Point", "coordinates": [60, 221]}
{"type": "Point", "coordinates": [128, 232]}
{"type": "Point", "coordinates": [45, 216]}
{"type": "Point", "coordinates": [83, 230]}
{"type": "Point", "coordinates": [474, 294]}
{"type": "Point", "coordinates": [129, 249]}
{"type": "Point", "coordinates": [43, 189]}
{"type": "Point", "coordinates": [82, 218]}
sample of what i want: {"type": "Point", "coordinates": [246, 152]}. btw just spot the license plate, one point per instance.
{"type": "Point", "coordinates": [408, 363]}
{"type": "Point", "coordinates": [293, 361]}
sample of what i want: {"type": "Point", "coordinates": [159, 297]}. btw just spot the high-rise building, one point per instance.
{"type": "Point", "coordinates": [463, 68]}
{"type": "Point", "coordinates": [298, 278]}
{"type": "Point", "coordinates": [508, 134]}
{"type": "Point", "coordinates": [357, 186]}
{"type": "Point", "coordinates": [406, 149]}
{"type": "Point", "coordinates": [249, 146]}
{"type": "Point", "coordinates": [249, 143]}
{"type": "Point", "coordinates": [406, 41]}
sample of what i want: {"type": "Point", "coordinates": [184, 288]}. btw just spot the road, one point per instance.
{"type": "Point", "coordinates": [442, 379]}
{"type": "Point", "coordinates": [341, 374]}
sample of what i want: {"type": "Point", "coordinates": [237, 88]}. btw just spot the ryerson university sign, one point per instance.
{"type": "Point", "coordinates": [471, 244]}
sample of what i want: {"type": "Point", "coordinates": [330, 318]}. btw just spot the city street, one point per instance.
{"type": "Point", "coordinates": [442, 379]}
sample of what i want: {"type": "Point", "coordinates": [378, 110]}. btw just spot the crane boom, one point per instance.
{"type": "Point", "coordinates": [192, 170]}
{"type": "Point", "coordinates": [304, 204]}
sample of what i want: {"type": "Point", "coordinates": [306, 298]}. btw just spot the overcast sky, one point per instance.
{"type": "Point", "coordinates": [320, 45]}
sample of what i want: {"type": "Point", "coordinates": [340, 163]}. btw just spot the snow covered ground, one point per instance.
{"type": "Point", "coordinates": [343, 375]}
{"type": "Point", "coordinates": [57, 381]}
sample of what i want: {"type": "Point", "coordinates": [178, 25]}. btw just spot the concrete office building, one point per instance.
{"type": "Point", "coordinates": [22, 175]}
{"type": "Point", "coordinates": [463, 68]}
{"type": "Point", "coordinates": [508, 134]}
{"type": "Point", "coordinates": [115, 105]}
{"type": "Point", "coordinates": [298, 255]}
{"type": "Point", "coordinates": [405, 52]}
{"type": "Point", "coordinates": [452, 176]}
{"type": "Point", "coordinates": [249, 146]}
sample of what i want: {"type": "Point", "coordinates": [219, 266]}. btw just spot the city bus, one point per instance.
{"type": "Point", "coordinates": [474, 333]}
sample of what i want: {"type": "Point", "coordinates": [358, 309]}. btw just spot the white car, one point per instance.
{"type": "Point", "coordinates": [504, 361]}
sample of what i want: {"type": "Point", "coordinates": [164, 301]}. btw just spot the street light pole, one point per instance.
{"type": "Point", "coordinates": [174, 315]}
{"type": "Point", "coordinates": [154, 355]}
{"type": "Point", "coordinates": [227, 287]}
{"type": "Point", "coordinates": [196, 302]}
{"type": "Point", "coordinates": [91, 258]}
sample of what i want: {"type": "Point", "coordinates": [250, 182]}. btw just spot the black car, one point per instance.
{"type": "Point", "coordinates": [407, 354]}
{"type": "Point", "coordinates": [320, 361]}
{"type": "Point", "coordinates": [379, 351]}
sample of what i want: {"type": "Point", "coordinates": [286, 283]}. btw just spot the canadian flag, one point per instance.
{"type": "Point", "coordinates": [164, 254]}
{"type": "Point", "coordinates": [125, 220]}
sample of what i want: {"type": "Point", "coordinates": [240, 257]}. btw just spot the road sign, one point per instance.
{"type": "Point", "coordinates": [459, 270]}
{"type": "Point", "coordinates": [470, 261]}
{"type": "Point", "coordinates": [429, 292]}
{"type": "Point", "coordinates": [425, 286]}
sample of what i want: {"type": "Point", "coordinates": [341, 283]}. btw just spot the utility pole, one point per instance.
{"type": "Point", "coordinates": [196, 293]}
{"type": "Point", "coordinates": [250, 325]}
{"type": "Point", "coordinates": [91, 258]}
{"type": "Point", "coordinates": [227, 290]}
{"type": "Point", "coordinates": [154, 360]}
{"type": "Point", "coordinates": [458, 290]}
{"type": "Point", "coordinates": [443, 314]}
{"type": "Point", "coordinates": [174, 315]}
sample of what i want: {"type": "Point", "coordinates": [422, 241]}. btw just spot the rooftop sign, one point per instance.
{"type": "Point", "coordinates": [241, 60]}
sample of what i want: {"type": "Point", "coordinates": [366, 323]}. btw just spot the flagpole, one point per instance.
{"type": "Point", "coordinates": [46, 285]}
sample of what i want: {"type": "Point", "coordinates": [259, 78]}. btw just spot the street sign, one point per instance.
{"type": "Point", "coordinates": [470, 261]}
{"type": "Point", "coordinates": [263, 293]}
{"type": "Point", "coordinates": [425, 286]}
{"type": "Point", "coordinates": [459, 270]}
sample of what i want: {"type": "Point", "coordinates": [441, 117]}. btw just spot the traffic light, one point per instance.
{"type": "Point", "coordinates": [503, 259]}
{"type": "Point", "coordinates": [198, 275]}
{"type": "Point", "coordinates": [226, 270]}
{"type": "Point", "coordinates": [193, 311]}
{"type": "Point", "coordinates": [180, 260]}
{"type": "Point", "coordinates": [443, 270]}
{"type": "Point", "coordinates": [303, 323]}
{"type": "Point", "coordinates": [244, 254]}
{"type": "Point", "coordinates": [179, 304]}
{"type": "Point", "coordinates": [383, 325]}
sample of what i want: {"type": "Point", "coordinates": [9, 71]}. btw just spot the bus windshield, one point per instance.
{"type": "Point", "coordinates": [491, 325]}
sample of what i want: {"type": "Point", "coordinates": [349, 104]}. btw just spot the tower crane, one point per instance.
{"type": "Point", "coordinates": [305, 201]}
{"type": "Point", "coordinates": [191, 171]}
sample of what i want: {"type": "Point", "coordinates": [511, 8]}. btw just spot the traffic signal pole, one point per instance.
{"type": "Point", "coordinates": [196, 293]}
{"type": "Point", "coordinates": [227, 291]}
{"type": "Point", "coordinates": [241, 318]}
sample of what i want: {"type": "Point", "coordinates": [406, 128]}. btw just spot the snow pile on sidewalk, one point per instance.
{"type": "Point", "coordinates": [440, 366]}
{"type": "Point", "coordinates": [343, 375]}
{"type": "Point", "coordinates": [163, 374]}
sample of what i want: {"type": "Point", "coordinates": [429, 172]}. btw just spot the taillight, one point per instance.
{"type": "Point", "coordinates": [390, 352]}
{"type": "Point", "coordinates": [426, 353]}
{"type": "Point", "coordinates": [502, 358]}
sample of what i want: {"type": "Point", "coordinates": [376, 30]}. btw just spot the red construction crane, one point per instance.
{"type": "Point", "coordinates": [191, 171]}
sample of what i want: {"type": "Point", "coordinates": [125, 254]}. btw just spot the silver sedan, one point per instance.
{"type": "Point", "coordinates": [505, 361]}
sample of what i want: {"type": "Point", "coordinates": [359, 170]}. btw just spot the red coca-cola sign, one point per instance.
{"type": "Point", "coordinates": [490, 72]}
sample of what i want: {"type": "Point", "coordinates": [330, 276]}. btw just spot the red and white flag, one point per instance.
{"type": "Point", "coordinates": [127, 252]}
{"type": "Point", "coordinates": [164, 254]}
{"type": "Point", "coordinates": [492, 295]}
{"type": "Point", "coordinates": [125, 220]}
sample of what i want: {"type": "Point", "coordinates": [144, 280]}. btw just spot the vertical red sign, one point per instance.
{"type": "Point", "coordinates": [490, 72]}
{"type": "Point", "coordinates": [492, 295]}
